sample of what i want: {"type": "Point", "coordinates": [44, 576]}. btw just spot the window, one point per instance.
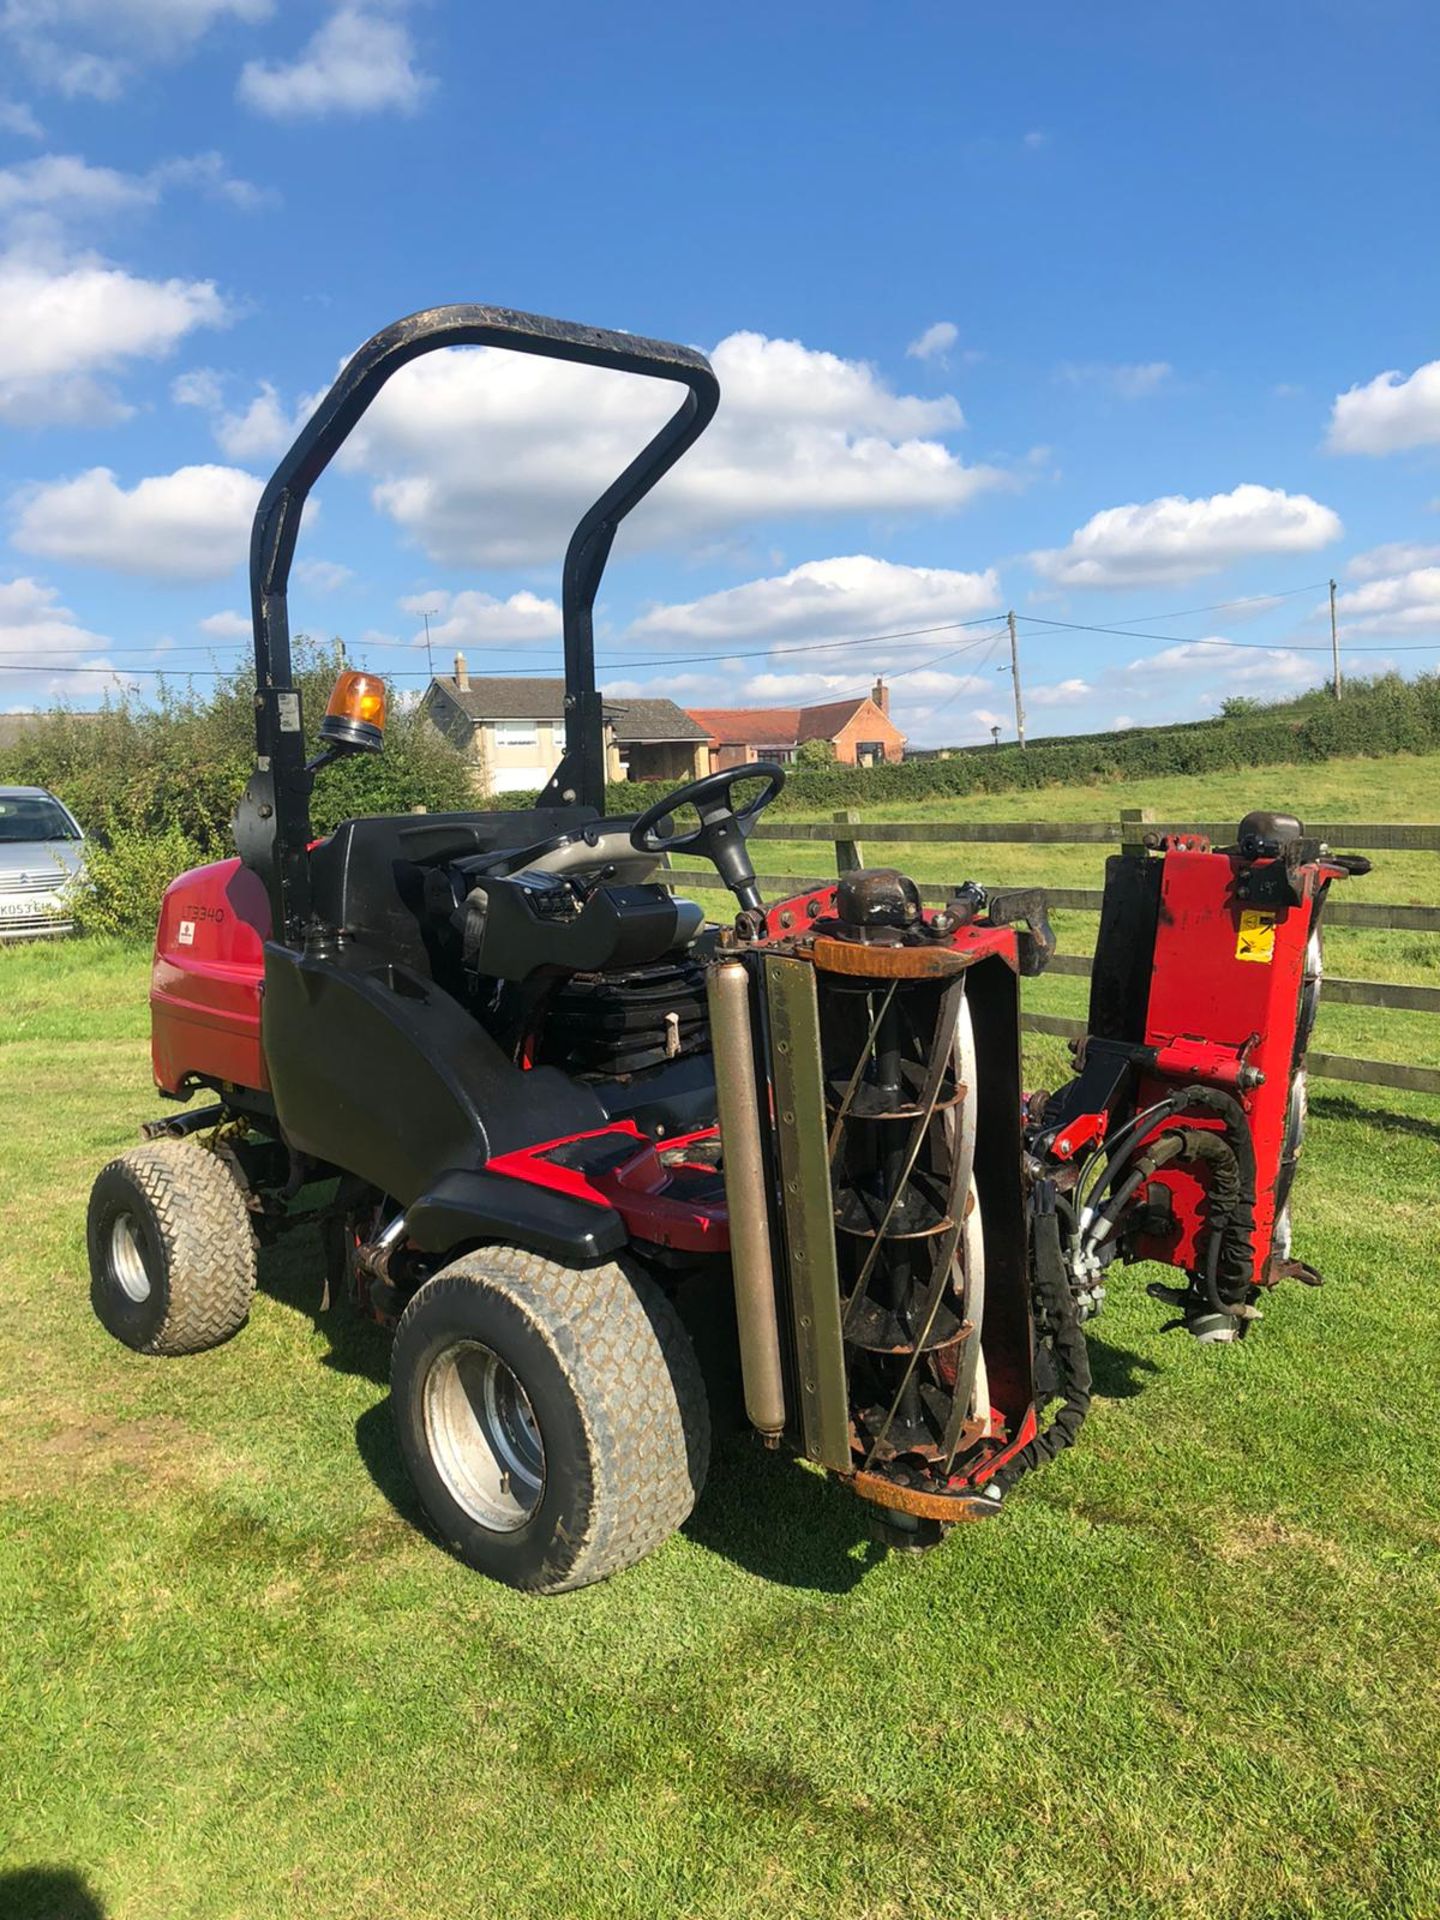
{"type": "Point", "coordinates": [34, 816]}
{"type": "Point", "coordinates": [517, 733]}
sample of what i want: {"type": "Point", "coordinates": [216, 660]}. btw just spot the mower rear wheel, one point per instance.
{"type": "Point", "coordinates": [554, 1420]}
{"type": "Point", "coordinates": [172, 1257]}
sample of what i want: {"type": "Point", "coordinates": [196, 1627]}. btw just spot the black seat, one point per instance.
{"type": "Point", "coordinates": [368, 878]}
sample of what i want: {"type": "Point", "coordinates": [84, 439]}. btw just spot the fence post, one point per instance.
{"type": "Point", "coordinates": [849, 853]}
{"type": "Point", "coordinates": [1131, 821]}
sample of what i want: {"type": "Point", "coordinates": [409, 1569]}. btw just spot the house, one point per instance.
{"type": "Point", "coordinates": [861, 731]}
{"type": "Point", "coordinates": [513, 731]}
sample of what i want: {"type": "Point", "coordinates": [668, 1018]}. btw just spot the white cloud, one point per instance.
{"type": "Point", "coordinates": [358, 61]}
{"type": "Point", "coordinates": [62, 324]}
{"type": "Point", "coordinates": [322, 576]}
{"type": "Point", "coordinates": [1057, 693]}
{"type": "Point", "coordinates": [200, 387]}
{"type": "Point", "coordinates": [910, 695]}
{"type": "Point", "coordinates": [262, 430]}
{"type": "Point", "coordinates": [48, 201]}
{"type": "Point", "coordinates": [1396, 556]}
{"type": "Point", "coordinates": [93, 48]}
{"type": "Point", "coordinates": [226, 626]}
{"type": "Point", "coordinates": [472, 619]}
{"type": "Point", "coordinates": [1175, 539]}
{"type": "Point", "coordinates": [193, 524]}
{"type": "Point", "coordinates": [17, 118]}
{"type": "Point", "coordinates": [935, 342]}
{"type": "Point", "coordinates": [1278, 669]}
{"type": "Point", "coordinates": [67, 182]}
{"type": "Point", "coordinates": [34, 624]}
{"type": "Point", "coordinates": [828, 599]}
{"type": "Point", "coordinates": [1403, 603]}
{"type": "Point", "coordinates": [1128, 381]}
{"type": "Point", "coordinates": [1389, 414]}
{"type": "Point", "coordinates": [799, 432]}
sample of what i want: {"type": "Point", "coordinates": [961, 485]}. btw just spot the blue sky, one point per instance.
{"type": "Point", "coordinates": [1123, 317]}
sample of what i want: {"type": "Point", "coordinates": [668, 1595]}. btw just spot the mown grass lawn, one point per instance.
{"type": "Point", "coordinates": [1191, 1670]}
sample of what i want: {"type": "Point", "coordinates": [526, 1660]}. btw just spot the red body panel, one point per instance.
{"type": "Point", "coordinates": [667, 1201]}
{"type": "Point", "coordinates": [205, 980]}
{"type": "Point", "coordinates": [1224, 998]}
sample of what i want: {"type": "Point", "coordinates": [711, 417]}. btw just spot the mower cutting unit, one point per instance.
{"type": "Point", "coordinates": [556, 1123]}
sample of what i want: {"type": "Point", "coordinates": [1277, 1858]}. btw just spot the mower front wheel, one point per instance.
{"type": "Point", "coordinates": [553, 1420]}
{"type": "Point", "coordinates": [172, 1257]}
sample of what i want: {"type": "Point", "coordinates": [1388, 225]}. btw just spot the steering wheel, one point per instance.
{"type": "Point", "coordinates": [721, 833]}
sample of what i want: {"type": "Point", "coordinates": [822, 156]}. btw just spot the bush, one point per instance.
{"type": "Point", "coordinates": [125, 877]}
{"type": "Point", "coordinates": [1376, 717]}
{"type": "Point", "coordinates": [815, 753]}
{"type": "Point", "coordinates": [179, 766]}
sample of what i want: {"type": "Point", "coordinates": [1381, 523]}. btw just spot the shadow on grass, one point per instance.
{"type": "Point", "coordinates": [764, 1511]}
{"type": "Point", "coordinates": [48, 1893]}
{"type": "Point", "coordinates": [775, 1518]}
{"type": "Point", "coordinates": [1115, 1372]}
{"type": "Point", "coordinates": [293, 1272]}
{"type": "Point", "coordinates": [1329, 1106]}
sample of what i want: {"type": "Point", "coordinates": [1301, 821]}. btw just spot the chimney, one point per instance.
{"type": "Point", "coordinates": [880, 694]}
{"type": "Point", "coordinates": [462, 675]}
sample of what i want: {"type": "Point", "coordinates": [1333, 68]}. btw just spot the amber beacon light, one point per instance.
{"type": "Point", "coordinates": [355, 718]}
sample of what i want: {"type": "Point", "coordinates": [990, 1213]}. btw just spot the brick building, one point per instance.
{"type": "Point", "coordinates": [512, 729]}
{"type": "Point", "coordinates": [861, 731]}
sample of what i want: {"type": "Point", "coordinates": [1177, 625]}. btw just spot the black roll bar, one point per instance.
{"type": "Point", "coordinates": [273, 825]}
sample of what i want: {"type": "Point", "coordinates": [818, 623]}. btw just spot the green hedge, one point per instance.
{"type": "Point", "coordinates": [1376, 718]}
{"type": "Point", "coordinates": [155, 787]}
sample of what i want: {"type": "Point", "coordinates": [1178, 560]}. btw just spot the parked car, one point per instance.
{"type": "Point", "coordinates": [42, 853]}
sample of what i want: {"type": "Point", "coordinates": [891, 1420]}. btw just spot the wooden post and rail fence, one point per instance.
{"type": "Point", "coordinates": [848, 834]}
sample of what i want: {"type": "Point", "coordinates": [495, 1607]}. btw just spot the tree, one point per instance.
{"type": "Point", "coordinates": [815, 753]}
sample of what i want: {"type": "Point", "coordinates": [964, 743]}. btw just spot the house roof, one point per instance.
{"type": "Point", "coordinates": [749, 726]}
{"type": "Point", "coordinates": [644, 720]}
{"type": "Point", "coordinates": [540, 697]}
{"type": "Point", "coordinates": [501, 697]}
{"type": "Point", "coordinates": [778, 726]}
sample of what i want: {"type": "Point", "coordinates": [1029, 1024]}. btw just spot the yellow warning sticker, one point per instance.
{"type": "Point", "coordinates": [1257, 937]}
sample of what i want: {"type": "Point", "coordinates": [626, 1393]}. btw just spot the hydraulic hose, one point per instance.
{"type": "Point", "coordinates": [1067, 1341]}
{"type": "Point", "coordinates": [1236, 1215]}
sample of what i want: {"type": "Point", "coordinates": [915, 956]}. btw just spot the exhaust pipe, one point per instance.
{"type": "Point", "coordinates": [732, 1039]}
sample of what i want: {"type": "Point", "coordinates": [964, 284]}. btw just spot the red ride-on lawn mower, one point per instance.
{"type": "Point", "coordinates": [559, 1113]}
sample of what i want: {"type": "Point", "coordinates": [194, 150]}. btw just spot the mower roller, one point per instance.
{"type": "Point", "coordinates": [551, 1124]}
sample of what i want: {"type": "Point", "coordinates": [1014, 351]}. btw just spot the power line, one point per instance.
{"type": "Point", "coordinates": [717, 654]}
{"type": "Point", "coordinates": [1252, 646]}
{"type": "Point", "coordinates": [607, 666]}
{"type": "Point", "coordinates": [1219, 606]}
{"type": "Point", "coordinates": [664, 660]}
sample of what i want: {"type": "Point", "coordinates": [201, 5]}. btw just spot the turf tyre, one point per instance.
{"type": "Point", "coordinates": [172, 1256]}
{"type": "Point", "coordinates": [615, 1391]}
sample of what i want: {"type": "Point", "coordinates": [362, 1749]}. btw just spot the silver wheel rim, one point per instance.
{"type": "Point", "coordinates": [127, 1262]}
{"type": "Point", "coordinates": [483, 1437]}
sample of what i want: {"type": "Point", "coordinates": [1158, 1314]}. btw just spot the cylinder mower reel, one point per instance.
{"type": "Point", "coordinates": [583, 1152]}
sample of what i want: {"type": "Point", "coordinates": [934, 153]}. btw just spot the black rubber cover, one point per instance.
{"type": "Point", "coordinates": [379, 1072]}
{"type": "Point", "coordinates": [464, 1207]}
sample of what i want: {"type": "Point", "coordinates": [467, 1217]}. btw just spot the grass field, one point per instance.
{"type": "Point", "coordinates": [1191, 1670]}
{"type": "Point", "coordinates": [1405, 788]}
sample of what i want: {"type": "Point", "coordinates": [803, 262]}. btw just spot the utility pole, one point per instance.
{"type": "Point", "coordinates": [1335, 645]}
{"type": "Point", "coordinates": [1015, 676]}
{"type": "Point", "coordinates": [429, 657]}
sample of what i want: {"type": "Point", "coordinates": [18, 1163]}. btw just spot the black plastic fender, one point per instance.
{"type": "Point", "coordinates": [464, 1206]}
